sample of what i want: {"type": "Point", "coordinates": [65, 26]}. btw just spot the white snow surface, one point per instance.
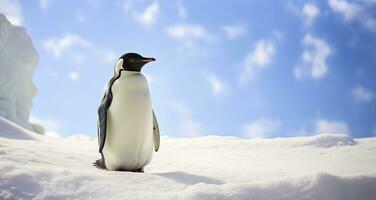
{"type": "Point", "coordinates": [322, 167]}
{"type": "Point", "coordinates": [18, 60]}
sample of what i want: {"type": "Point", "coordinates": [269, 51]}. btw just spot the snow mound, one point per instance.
{"type": "Point", "coordinates": [316, 187]}
{"type": "Point", "coordinates": [210, 167]}
{"type": "Point", "coordinates": [12, 131]}
{"type": "Point", "coordinates": [329, 140]}
{"type": "Point", "coordinates": [18, 60]}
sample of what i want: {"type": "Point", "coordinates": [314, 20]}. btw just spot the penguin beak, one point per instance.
{"type": "Point", "coordinates": [146, 60]}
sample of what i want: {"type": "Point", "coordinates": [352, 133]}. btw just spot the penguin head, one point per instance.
{"type": "Point", "coordinates": [134, 61]}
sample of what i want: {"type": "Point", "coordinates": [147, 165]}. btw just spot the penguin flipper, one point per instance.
{"type": "Point", "coordinates": [102, 112]}
{"type": "Point", "coordinates": [156, 135]}
{"type": "Point", "coordinates": [102, 119]}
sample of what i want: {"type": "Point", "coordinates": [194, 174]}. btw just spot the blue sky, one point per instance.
{"type": "Point", "coordinates": [242, 68]}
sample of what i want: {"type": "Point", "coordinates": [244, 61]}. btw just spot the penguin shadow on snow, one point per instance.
{"type": "Point", "coordinates": [189, 179]}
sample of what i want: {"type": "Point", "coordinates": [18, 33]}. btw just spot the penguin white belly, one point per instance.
{"type": "Point", "coordinates": [129, 134]}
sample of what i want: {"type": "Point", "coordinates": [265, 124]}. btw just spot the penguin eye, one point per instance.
{"type": "Point", "coordinates": [131, 60]}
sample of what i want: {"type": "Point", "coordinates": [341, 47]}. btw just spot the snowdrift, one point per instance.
{"type": "Point", "coordinates": [323, 167]}
{"type": "Point", "coordinates": [10, 130]}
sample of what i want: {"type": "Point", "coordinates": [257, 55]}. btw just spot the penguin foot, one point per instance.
{"type": "Point", "coordinates": [141, 170]}
{"type": "Point", "coordinates": [99, 164]}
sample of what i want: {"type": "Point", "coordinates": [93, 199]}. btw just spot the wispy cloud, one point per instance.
{"type": "Point", "coordinates": [12, 10]}
{"type": "Point", "coordinates": [193, 39]}
{"type": "Point", "coordinates": [314, 58]}
{"type": "Point", "coordinates": [354, 11]}
{"type": "Point", "coordinates": [259, 58]}
{"type": "Point", "coordinates": [261, 128]}
{"type": "Point", "coordinates": [58, 45]}
{"type": "Point", "coordinates": [51, 126]}
{"type": "Point", "coordinates": [74, 76]}
{"type": "Point", "coordinates": [190, 31]}
{"type": "Point", "coordinates": [69, 42]}
{"type": "Point", "coordinates": [188, 126]}
{"type": "Point", "coordinates": [310, 12]}
{"type": "Point", "coordinates": [217, 85]}
{"type": "Point", "coordinates": [146, 15]}
{"type": "Point", "coordinates": [235, 31]}
{"type": "Point", "coordinates": [361, 94]}
{"type": "Point", "coordinates": [348, 10]}
{"type": "Point", "coordinates": [149, 16]}
{"type": "Point", "coordinates": [331, 127]}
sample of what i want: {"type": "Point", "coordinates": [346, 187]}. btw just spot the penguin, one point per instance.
{"type": "Point", "coordinates": [127, 125]}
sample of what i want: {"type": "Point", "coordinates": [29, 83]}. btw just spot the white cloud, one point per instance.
{"type": "Point", "coordinates": [51, 126]}
{"type": "Point", "coordinates": [257, 59]}
{"type": "Point", "coordinates": [71, 42]}
{"type": "Point", "coordinates": [234, 31]}
{"type": "Point", "coordinates": [263, 53]}
{"type": "Point", "coordinates": [218, 87]}
{"type": "Point", "coordinates": [189, 31]}
{"type": "Point", "coordinates": [12, 10]}
{"type": "Point", "coordinates": [74, 76]}
{"type": "Point", "coordinates": [43, 4]}
{"type": "Point", "coordinates": [260, 128]}
{"type": "Point", "coordinates": [188, 126]}
{"type": "Point", "coordinates": [58, 45]}
{"type": "Point", "coordinates": [361, 94]}
{"type": "Point", "coordinates": [314, 58]}
{"type": "Point", "coordinates": [353, 11]}
{"type": "Point", "coordinates": [310, 11]}
{"type": "Point", "coordinates": [348, 10]}
{"type": "Point", "coordinates": [331, 127]}
{"type": "Point", "coordinates": [193, 39]}
{"type": "Point", "coordinates": [144, 15]}
{"type": "Point", "coordinates": [149, 16]}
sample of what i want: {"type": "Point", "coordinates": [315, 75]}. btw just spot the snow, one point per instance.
{"type": "Point", "coordinates": [12, 131]}
{"type": "Point", "coordinates": [327, 140]}
{"type": "Point", "coordinates": [322, 167]}
{"type": "Point", "coordinates": [18, 60]}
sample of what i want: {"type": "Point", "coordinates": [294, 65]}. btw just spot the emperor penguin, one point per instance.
{"type": "Point", "coordinates": [127, 125]}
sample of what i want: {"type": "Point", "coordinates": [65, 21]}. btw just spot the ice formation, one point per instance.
{"type": "Point", "coordinates": [18, 60]}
